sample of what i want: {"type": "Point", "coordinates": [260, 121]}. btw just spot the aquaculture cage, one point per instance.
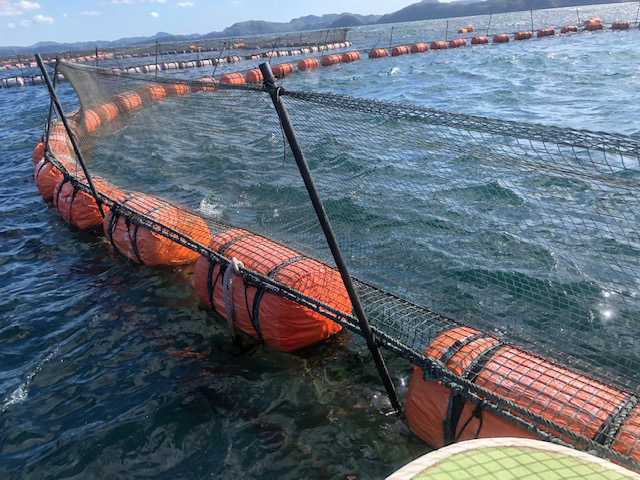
{"type": "Point", "coordinates": [499, 257]}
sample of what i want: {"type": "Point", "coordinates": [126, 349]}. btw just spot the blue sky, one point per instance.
{"type": "Point", "coordinates": [25, 22]}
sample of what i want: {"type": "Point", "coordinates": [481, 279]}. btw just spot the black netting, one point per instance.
{"type": "Point", "coordinates": [523, 232]}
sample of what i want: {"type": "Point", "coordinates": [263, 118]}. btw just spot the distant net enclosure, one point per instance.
{"type": "Point", "coordinates": [524, 232]}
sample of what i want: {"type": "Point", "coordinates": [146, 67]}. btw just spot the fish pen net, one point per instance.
{"type": "Point", "coordinates": [500, 257]}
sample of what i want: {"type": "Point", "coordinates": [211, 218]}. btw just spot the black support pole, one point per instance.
{"type": "Point", "coordinates": [50, 117]}
{"type": "Point", "coordinates": [65, 122]}
{"type": "Point", "coordinates": [273, 90]}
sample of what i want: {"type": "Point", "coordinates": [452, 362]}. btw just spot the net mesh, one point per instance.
{"type": "Point", "coordinates": [524, 232]}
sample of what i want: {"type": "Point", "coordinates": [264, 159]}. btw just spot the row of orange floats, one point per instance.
{"type": "Point", "coordinates": [435, 413]}
{"type": "Point", "coordinates": [264, 315]}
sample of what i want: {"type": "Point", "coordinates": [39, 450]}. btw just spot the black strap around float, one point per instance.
{"type": "Point", "coordinates": [607, 432]}
{"type": "Point", "coordinates": [112, 222]}
{"type": "Point", "coordinates": [457, 345]}
{"type": "Point", "coordinates": [225, 246]}
{"type": "Point", "coordinates": [211, 284]}
{"type": "Point", "coordinates": [65, 179]}
{"type": "Point", "coordinates": [255, 318]}
{"type": "Point", "coordinates": [73, 199]}
{"type": "Point", "coordinates": [133, 239]}
{"type": "Point", "coordinates": [457, 401]}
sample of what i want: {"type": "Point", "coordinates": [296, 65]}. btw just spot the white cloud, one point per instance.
{"type": "Point", "coordinates": [11, 25]}
{"type": "Point", "coordinates": [158, 1]}
{"type": "Point", "coordinates": [127, 2]}
{"type": "Point", "coordinates": [185, 4]}
{"type": "Point", "coordinates": [43, 19]}
{"type": "Point", "coordinates": [154, 14]}
{"type": "Point", "coordinates": [10, 9]}
{"type": "Point", "coordinates": [90, 13]}
{"type": "Point", "coordinates": [65, 15]}
{"type": "Point", "coordinates": [24, 5]}
{"type": "Point", "coordinates": [25, 23]}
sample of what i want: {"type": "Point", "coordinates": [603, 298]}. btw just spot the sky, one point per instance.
{"type": "Point", "coordinates": [25, 22]}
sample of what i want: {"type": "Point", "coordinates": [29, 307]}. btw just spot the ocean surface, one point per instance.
{"type": "Point", "coordinates": [109, 369]}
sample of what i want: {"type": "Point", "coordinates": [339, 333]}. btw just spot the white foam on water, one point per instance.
{"type": "Point", "coordinates": [20, 393]}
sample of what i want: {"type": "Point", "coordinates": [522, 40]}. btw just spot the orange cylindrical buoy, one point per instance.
{"type": "Point", "coordinates": [235, 78]}
{"type": "Point", "coordinates": [463, 30]}
{"type": "Point", "coordinates": [38, 152]}
{"type": "Point", "coordinates": [282, 70]}
{"type": "Point", "coordinates": [273, 319]}
{"type": "Point", "coordinates": [546, 32]}
{"type": "Point", "coordinates": [479, 40]}
{"type": "Point", "coordinates": [501, 38]}
{"type": "Point", "coordinates": [592, 21]}
{"type": "Point", "coordinates": [457, 42]}
{"type": "Point", "coordinates": [145, 246]}
{"type": "Point", "coordinates": [522, 35]}
{"type": "Point", "coordinates": [620, 26]}
{"type": "Point", "coordinates": [90, 120]}
{"type": "Point", "coordinates": [127, 101]}
{"type": "Point", "coordinates": [77, 206]}
{"type": "Point", "coordinates": [46, 177]}
{"type": "Point", "coordinates": [153, 92]}
{"type": "Point", "coordinates": [204, 84]}
{"type": "Point", "coordinates": [350, 57]}
{"type": "Point", "coordinates": [177, 89]}
{"type": "Point", "coordinates": [594, 26]}
{"type": "Point", "coordinates": [307, 63]}
{"type": "Point", "coordinates": [440, 416]}
{"type": "Point", "coordinates": [331, 60]}
{"type": "Point", "coordinates": [419, 47]}
{"type": "Point", "coordinates": [378, 53]}
{"type": "Point", "coordinates": [254, 76]}
{"type": "Point", "coordinates": [399, 50]}
{"type": "Point", "coordinates": [107, 112]}
{"type": "Point", "coordinates": [438, 45]}
{"type": "Point", "coordinates": [569, 28]}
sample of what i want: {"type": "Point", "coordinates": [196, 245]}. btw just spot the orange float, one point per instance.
{"type": "Point", "coordinates": [501, 38]}
{"type": "Point", "coordinates": [127, 101]}
{"type": "Point", "coordinates": [439, 45]}
{"type": "Point", "coordinates": [378, 53]}
{"type": "Point", "coordinates": [522, 35]}
{"type": "Point", "coordinates": [349, 57]}
{"type": "Point", "coordinates": [177, 89]}
{"type": "Point", "coordinates": [594, 27]}
{"type": "Point", "coordinates": [331, 60]}
{"type": "Point", "coordinates": [153, 92]}
{"type": "Point", "coordinates": [78, 207]}
{"type": "Point", "coordinates": [479, 40]}
{"type": "Point", "coordinates": [399, 50]}
{"type": "Point", "coordinates": [308, 63]}
{"type": "Point", "coordinates": [419, 48]}
{"type": "Point", "coordinates": [38, 152]}
{"type": "Point", "coordinates": [592, 21]}
{"type": "Point", "coordinates": [546, 32]}
{"type": "Point", "coordinates": [90, 120]}
{"type": "Point", "coordinates": [271, 318]}
{"type": "Point", "coordinates": [254, 76]}
{"type": "Point", "coordinates": [620, 26]}
{"type": "Point", "coordinates": [457, 43]}
{"type": "Point", "coordinates": [282, 70]}
{"type": "Point", "coordinates": [568, 399]}
{"type": "Point", "coordinates": [107, 112]}
{"type": "Point", "coordinates": [235, 78]}
{"type": "Point", "coordinates": [204, 84]}
{"type": "Point", "coordinates": [569, 28]}
{"type": "Point", "coordinates": [46, 177]}
{"type": "Point", "coordinates": [142, 245]}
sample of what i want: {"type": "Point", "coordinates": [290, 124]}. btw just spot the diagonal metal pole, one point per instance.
{"type": "Point", "coordinates": [50, 117]}
{"type": "Point", "coordinates": [65, 122]}
{"type": "Point", "coordinates": [273, 90]}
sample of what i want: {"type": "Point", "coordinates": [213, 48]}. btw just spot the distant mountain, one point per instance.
{"type": "Point", "coordinates": [424, 10]}
{"type": "Point", "coordinates": [429, 9]}
{"type": "Point", "coordinates": [240, 29]}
